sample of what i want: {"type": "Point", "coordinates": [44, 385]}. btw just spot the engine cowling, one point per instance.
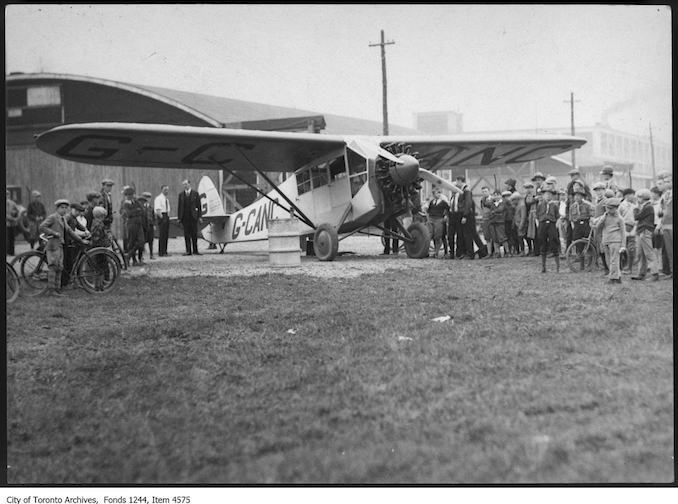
{"type": "Point", "coordinates": [405, 173]}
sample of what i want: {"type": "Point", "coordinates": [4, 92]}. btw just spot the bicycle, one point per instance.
{"type": "Point", "coordinates": [13, 283]}
{"type": "Point", "coordinates": [96, 270]}
{"type": "Point", "coordinates": [119, 252]}
{"type": "Point", "coordinates": [582, 254]}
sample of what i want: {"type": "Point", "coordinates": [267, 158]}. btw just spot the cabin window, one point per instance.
{"type": "Point", "coordinates": [337, 168]}
{"type": "Point", "coordinates": [303, 182]}
{"type": "Point", "coordinates": [319, 175]}
{"type": "Point", "coordinates": [357, 171]}
{"type": "Point", "coordinates": [356, 163]}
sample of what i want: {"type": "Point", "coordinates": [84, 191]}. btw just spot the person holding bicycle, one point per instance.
{"type": "Point", "coordinates": [55, 228]}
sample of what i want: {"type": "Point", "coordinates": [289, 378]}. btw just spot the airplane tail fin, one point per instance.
{"type": "Point", "coordinates": [210, 199]}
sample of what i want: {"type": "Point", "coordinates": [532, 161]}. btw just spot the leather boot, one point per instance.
{"type": "Point", "coordinates": [557, 263]}
{"type": "Point", "coordinates": [543, 263]}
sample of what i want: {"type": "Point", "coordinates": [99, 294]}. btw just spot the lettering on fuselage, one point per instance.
{"type": "Point", "coordinates": [253, 220]}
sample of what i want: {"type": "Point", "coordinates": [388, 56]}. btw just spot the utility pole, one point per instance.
{"type": "Point", "coordinates": [383, 76]}
{"type": "Point", "coordinates": [654, 175]}
{"type": "Point", "coordinates": [572, 101]}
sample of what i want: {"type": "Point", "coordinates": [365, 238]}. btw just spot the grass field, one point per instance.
{"type": "Point", "coordinates": [535, 378]}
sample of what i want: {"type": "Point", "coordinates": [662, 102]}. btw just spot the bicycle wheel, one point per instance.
{"type": "Point", "coordinates": [13, 283]}
{"type": "Point", "coordinates": [120, 253]}
{"type": "Point", "coordinates": [34, 272]}
{"type": "Point", "coordinates": [581, 256]}
{"type": "Point", "coordinates": [97, 271]}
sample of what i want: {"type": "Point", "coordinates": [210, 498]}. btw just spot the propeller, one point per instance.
{"type": "Point", "coordinates": [398, 181]}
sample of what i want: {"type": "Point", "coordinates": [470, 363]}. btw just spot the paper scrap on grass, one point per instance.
{"type": "Point", "coordinates": [404, 338]}
{"type": "Point", "coordinates": [291, 331]}
{"type": "Point", "coordinates": [444, 318]}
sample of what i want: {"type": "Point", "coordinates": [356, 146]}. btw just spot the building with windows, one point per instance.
{"type": "Point", "coordinates": [631, 157]}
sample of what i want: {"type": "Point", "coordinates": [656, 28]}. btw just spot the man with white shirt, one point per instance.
{"type": "Point", "coordinates": [161, 207]}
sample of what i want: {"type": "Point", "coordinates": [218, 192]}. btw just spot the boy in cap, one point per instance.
{"type": "Point", "coordinates": [613, 237]}
{"type": "Point", "coordinates": [645, 219]}
{"type": "Point", "coordinates": [149, 229]}
{"type": "Point", "coordinates": [498, 225]}
{"type": "Point", "coordinates": [598, 211]}
{"type": "Point", "coordinates": [510, 185]}
{"type": "Point", "coordinates": [531, 211]}
{"type": "Point", "coordinates": [101, 237]}
{"type": "Point", "coordinates": [55, 228]}
{"type": "Point", "coordinates": [626, 208]}
{"type": "Point", "coordinates": [70, 247]}
{"type": "Point", "coordinates": [133, 212]}
{"type": "Point", "coordinates": [547, 215]}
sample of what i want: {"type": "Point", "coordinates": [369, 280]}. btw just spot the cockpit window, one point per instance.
{"type": "Point", "coordinates": [357, 171]}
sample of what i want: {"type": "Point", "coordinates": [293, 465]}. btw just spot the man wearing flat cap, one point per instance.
{"type": "Point", "coordinates": [54, 227]}
{"type": "Point", "coordinates": [106, 201]}
{"type": "Point", "coordinates": [606, 174]}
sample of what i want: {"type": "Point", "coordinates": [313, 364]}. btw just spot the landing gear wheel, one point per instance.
{"type": "Point", "coordinates": [325, 242]}
{"type": "Point", "coordinates": [418, 248]}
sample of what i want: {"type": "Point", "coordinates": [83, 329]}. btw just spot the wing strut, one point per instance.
{"type": "Point", "coordinates": [252, 186]}
{"type": "Point", "coordinates": [301, 214]}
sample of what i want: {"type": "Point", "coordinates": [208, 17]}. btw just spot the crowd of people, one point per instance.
{"type": "Point", "coordinates": [88, 223]}
{"type": "Point", "coordinates": [543, 220]}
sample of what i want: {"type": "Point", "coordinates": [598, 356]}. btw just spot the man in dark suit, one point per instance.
{"type": "Point", "coordinates": [190, 215]}
{"type": "Point", "coordinates": [467, 233]}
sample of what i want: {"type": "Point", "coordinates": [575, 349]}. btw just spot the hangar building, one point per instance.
{"type": "Point", "coordinates": [40, 101]}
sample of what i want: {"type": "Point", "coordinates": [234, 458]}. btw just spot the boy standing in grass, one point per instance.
{"type": "Point", "coordinates": [498, 225]}
{"type": "Point", "coordinates": [100, 238]}
{"type": "Point", "coordinates": [547, 215]}
{"type": "Point", "coordinates": [645, 216]}
{"type": "Point", "coordinates": [613, 236]}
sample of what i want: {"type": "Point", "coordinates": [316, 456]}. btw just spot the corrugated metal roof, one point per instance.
{"type": "Point", "coordinates": [229, 110]}
{"type": "Point", "coordinates": [218, 110]}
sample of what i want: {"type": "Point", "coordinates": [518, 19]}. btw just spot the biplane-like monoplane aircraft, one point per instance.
{"type": "Point", "coordinates": [336, 185]}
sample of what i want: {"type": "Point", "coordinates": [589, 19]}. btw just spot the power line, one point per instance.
{"type": "Point", "coordinates": [382, 44]}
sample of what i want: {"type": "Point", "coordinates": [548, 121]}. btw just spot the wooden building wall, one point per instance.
{"type": "Point", "coordinates": [32, 169]}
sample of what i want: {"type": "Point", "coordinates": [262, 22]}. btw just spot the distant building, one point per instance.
{"type": "Point", "coordinates": [439, 123]}
{"type": "Point", "coordinates": [630, 156]}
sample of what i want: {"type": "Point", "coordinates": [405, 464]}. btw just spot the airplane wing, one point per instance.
{"type": "Point", "coordinates": [438, 152]}
{"type": "Point", "coordinates": [166, 146]}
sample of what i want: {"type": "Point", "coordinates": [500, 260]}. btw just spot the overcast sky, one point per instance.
{"type": "Point", "coordinates": [503, 67]}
